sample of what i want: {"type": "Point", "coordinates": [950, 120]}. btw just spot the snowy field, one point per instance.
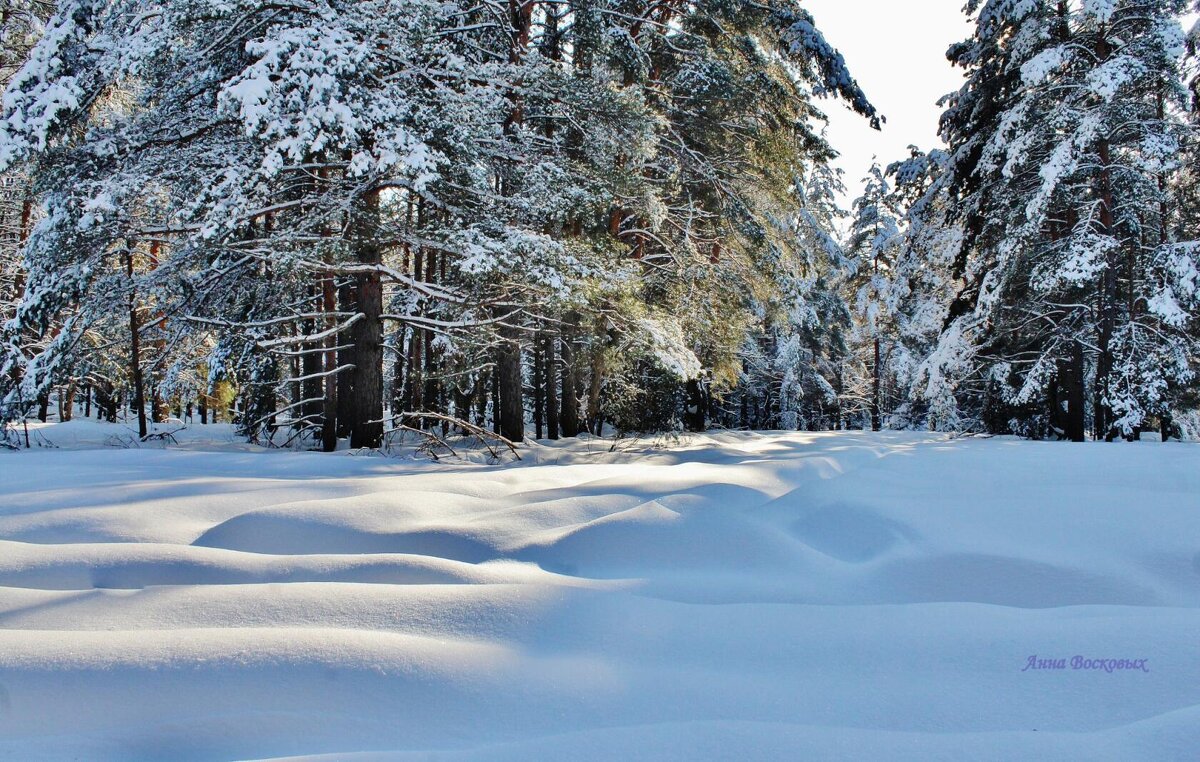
{"type": "Point", "coordinates": [738, 596]}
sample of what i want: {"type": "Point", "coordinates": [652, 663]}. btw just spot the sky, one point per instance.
{"type": "Point", "coordinates": [897, 51]}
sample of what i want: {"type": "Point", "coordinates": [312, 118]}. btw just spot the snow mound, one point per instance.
{"type": "Point", "coordinates": [749, 596]}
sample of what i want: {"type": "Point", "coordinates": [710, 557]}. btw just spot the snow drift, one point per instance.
{"type": "Point", "coordinates": [739, 596]}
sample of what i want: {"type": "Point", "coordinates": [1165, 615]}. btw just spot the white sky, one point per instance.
{"type": "Point", "coordinates": [897, 51]}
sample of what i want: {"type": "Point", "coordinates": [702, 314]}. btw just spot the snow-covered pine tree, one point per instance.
{"type": "Point", "coordinates": [266, 200]}
{"type": "Point", "coordinates": [1067, 273]}
{"type": "Point", "coordinates": [741, 174]}
{"type": "Point", "coordinates": [871, 249]}
{"type": "Point", "coordinates": [21, 23]}
{"type": "Point", "coordinates": [252, 147]}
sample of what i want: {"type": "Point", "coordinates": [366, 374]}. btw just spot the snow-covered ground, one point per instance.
{"type": "Point", "coordinates": [738, 596]}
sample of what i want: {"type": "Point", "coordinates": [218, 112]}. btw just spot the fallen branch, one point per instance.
{"type": "Point", "coordinates": [433, 441]}
{"type": "Point", "coordinates": [164, 436]}
{"type": "Point", "coordinates": [481, 434]}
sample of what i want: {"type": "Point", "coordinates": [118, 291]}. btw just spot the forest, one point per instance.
{"type": "Point", "coordinates": [523, 380]}
{"type": "Point", "coordinates": [347, 221]}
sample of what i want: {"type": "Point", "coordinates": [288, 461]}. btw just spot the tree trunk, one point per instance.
{"type": "Point", "coordinates": [312, 390]}
{"type": "Point", "coordinates": [463, 401]}
{"type": "Point", "coordinates": [1107, 305]}
{"type": "Point", "coordinates": [346, 401]}
{"type": "Point", "coordinates": [159, 410]}
{"type": "Point", "coordinates": [876, 417]}
{"type": "Point", "coordinates": [135, 349]}
{"type": "Point", "coordinates": [569, 416]}
{"type": "Point", "coordinates": [329, 411]}
{"type": "Point", "coordinates": [550, 378]}
{"type": "Point", "coordinates": [1076, 426]}
{"type": "Point", "coordinates": [539, 388]}
{"type": "Point", "coordinates": [433, 392]}
{"type": "Point", "coordinates": [399, 372]}
{"type": "Point", "coordinates": [494, 379]}
{"type": "Point", "coordinates": [696, 415]}
{"type": "Point", "coordinates": [68, 411]}
{"type": "Point", "coordinates": [594, 388]}
{"type": "Point", "coordinates": [366, 428]}
{"type": "Point", "coordinates": [480, 397]}
{"type": "Point", "coordinates": [511, 413]}
{"type": "Point", "coordinates": [415, 384]}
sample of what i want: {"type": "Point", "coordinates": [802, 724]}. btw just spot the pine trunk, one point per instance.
{"type": "Point", "coordinates": [569, 416]}
{"type": "Point", "coordinates": [539, 389]}
{"type": "Point", "coordinates": [876, 417]}
{"type": "Point", "coordinates": [433, 392]}
{"type": "Point", "coordinates": [550, 379]}
{"type": "Point", "coordinates": [366, 428]}
{"type": "Point", "coordinates": [135, 350]}
{"type": "Point", "coordinates": [347, 354]}
{"type": "Point", "coordinates": [329, 408]}
{"type": "Point", "coordinates": [596, 385]}
{"type": "Point", "coordinates": [1107, 304]}
{"type": "Point", "coordinates": [312, 389]}
{"type": "Point", "coordinates": [508, 376]}
{"type": "Point", "coordinates": [1076, 426]}
{"type": "Point", "coordinates": [697, 407]}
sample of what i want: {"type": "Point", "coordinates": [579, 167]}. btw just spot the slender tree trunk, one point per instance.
{"type": "Point", "coordinates": [876, 417]}
{"type": "Point", "coordinates": [23, 232]}
{"type": "Point", "coordinates": [68, 412]}
{"type": "Point", "coordinates": [463, 402]}
{"type": "Point", "coordinates": [480, 397]}
{"type": "Point", "coordinates": [539, 388]}
{"type": "Point", "coordinates": [347, 354]}
{"type": "Point", "coordinates": [297, 369]}
{"type": "Point", "coordinates": [550, 379]}
{"type": "Point", "coordinates": [594, 388]}
{"type": "Point", "coordinates": [569, 416]}
{"type": "Point", "coordinates": [135, 349]}
{"type": "Point", "coordinates": [312, 391]}
{"type": "Point", "coordinates": [416, 384]}
{"type": "Point", "coordinates": [399, 372]}
{"type": "Point", "coordinates": [329, 409]}
{"type": "Point", "coordinates": [106, 404]}
{"type": "Point", "coordinates": [158, 409]}
{"type": "Point", "coordinates": [494, 378]}
{"type": "Point", "coordinates": [1108, 295]}
{"type": "Point", "coordinates": [432, 392]}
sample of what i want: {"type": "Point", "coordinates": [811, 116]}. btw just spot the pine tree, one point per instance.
{"type": "Point", "coordinates": [1055, 185]}
{"type": "Point", "coordinates": [266, 202]}
{"type": "Point", "coordinates": [872, 244]}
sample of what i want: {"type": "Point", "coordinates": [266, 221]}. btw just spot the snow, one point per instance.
{"type": "Point", "coordinates": [1101, 10]}
{"type": "Point", "coordinates": [667, 341]}
{"type": "Point", "coordinates": [1036, 70]}
{"type": "Point", "coordinates": [733, 595]}
{"type": "Point", "coordinates": [1111, 76]}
